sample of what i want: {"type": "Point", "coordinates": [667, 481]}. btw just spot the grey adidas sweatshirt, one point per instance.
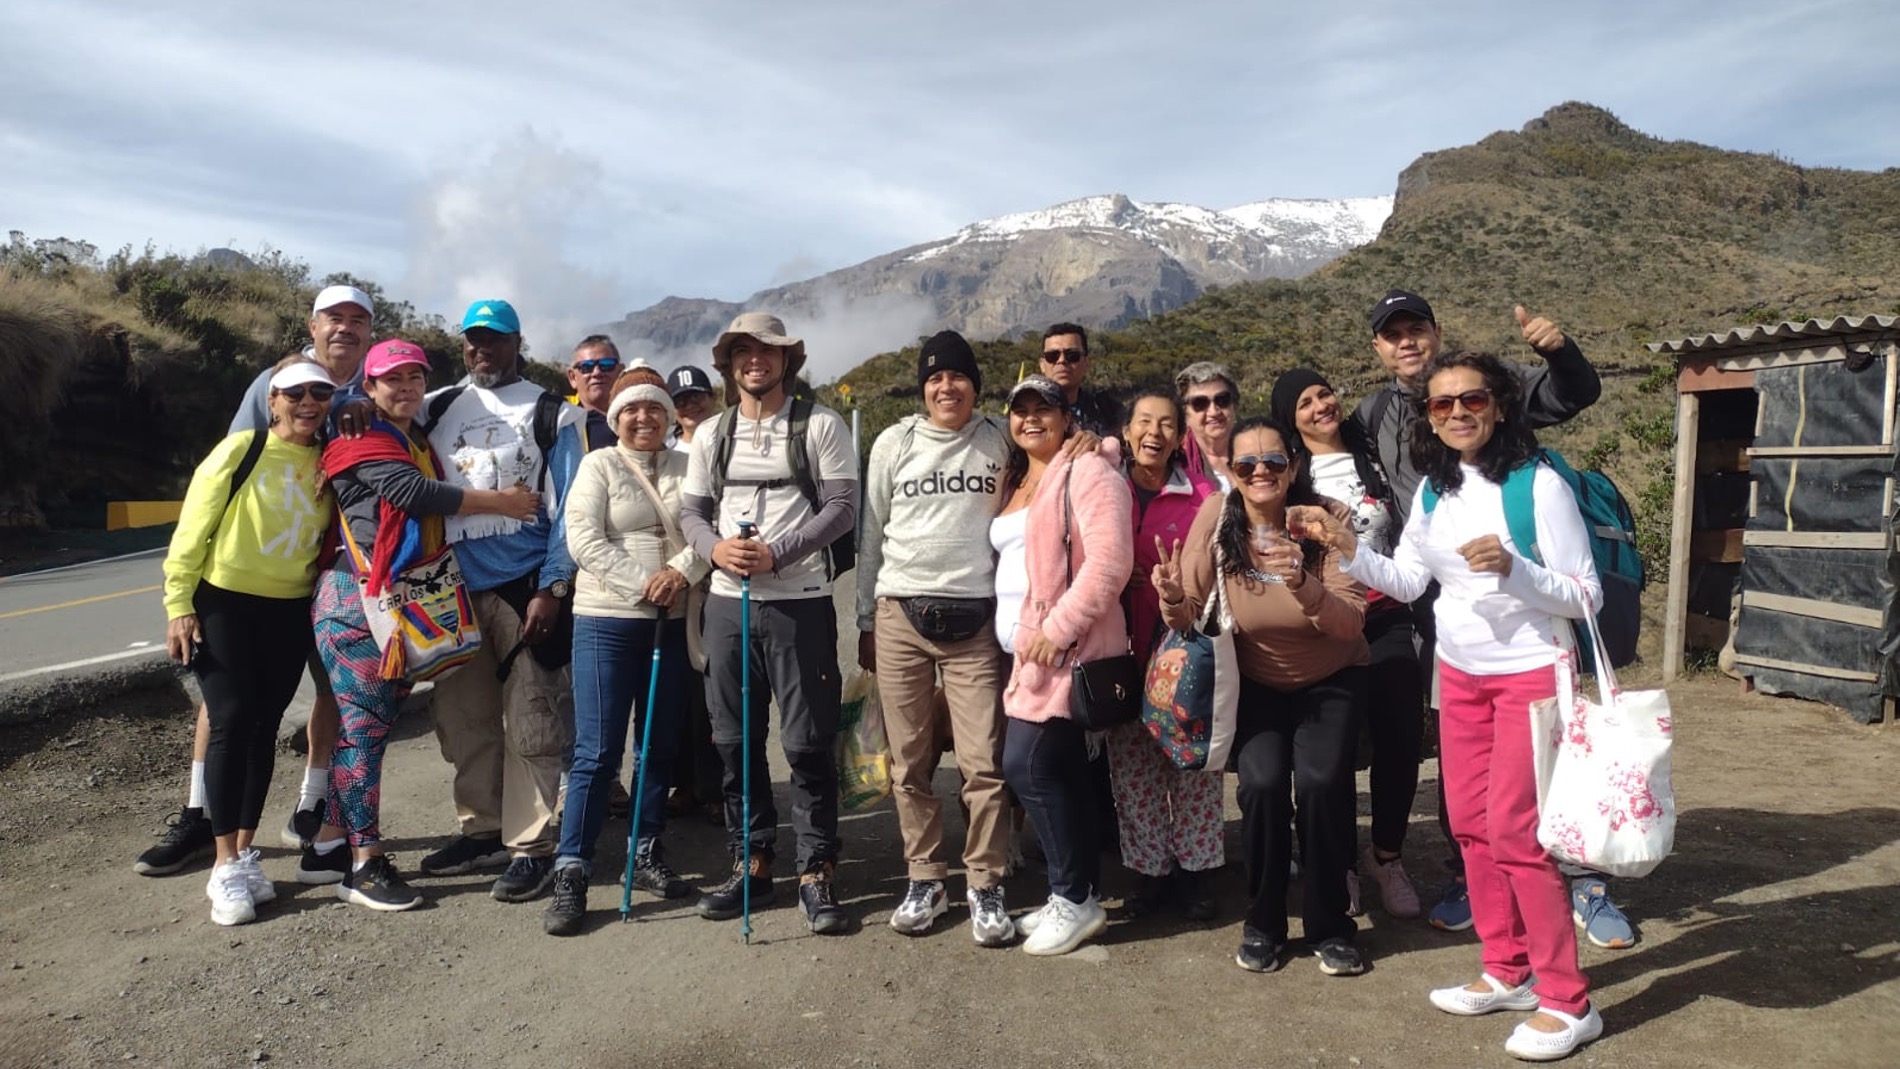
{"type": "Point", "coordinates": [929, 496]}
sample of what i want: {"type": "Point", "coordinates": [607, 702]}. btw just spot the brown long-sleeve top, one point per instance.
{"type": "Point", "coordinates": [1284, 639]}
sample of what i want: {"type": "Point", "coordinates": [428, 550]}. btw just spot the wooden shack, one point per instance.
{"type": "Point", "coordinates": [1784, 521]}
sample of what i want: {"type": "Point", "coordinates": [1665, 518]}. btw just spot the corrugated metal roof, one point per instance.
{"type": "Point", "coordinates": [1759, 335]}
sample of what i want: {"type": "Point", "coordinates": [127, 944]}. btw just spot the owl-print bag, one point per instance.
{"type": "Point", "coordinates": [1193, 686]}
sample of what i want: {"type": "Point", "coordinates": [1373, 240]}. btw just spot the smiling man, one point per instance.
{"type": "Point", "coordinates": [770, 487]}
{"type": "Point", "coordinates": [505, 720]}
{"type": "Point", "coordinates": [926, 599]}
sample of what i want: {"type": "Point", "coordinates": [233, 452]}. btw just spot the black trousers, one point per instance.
{"type": "Point", "coordinates": [1395, 718]}
{"type": "Point", "coordinates": [1298, 746]}
{"type": "Point", "coordinates": [795, 660]}
{"type": "Point", "coordinates": [253, 656]}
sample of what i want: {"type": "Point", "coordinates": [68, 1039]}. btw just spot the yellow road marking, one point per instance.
{"type": "Point", "coordinates": [79, 601]}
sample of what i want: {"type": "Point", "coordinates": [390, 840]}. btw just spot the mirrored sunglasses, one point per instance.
{"type": "Point", "coordinates": [1277, 463]}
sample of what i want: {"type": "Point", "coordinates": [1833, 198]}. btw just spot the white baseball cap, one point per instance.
{"type": "Point", "coordinates": [335, 295]}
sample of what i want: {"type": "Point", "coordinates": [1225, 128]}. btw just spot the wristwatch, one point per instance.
{"type": "Point", "coordinates": [560, 588]}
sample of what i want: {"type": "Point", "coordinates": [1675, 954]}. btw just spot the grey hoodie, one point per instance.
{"type": "Point", "coordinates": [929, 496]}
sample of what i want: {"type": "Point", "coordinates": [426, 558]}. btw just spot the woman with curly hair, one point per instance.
{"type": "Point", "coordinates": [1499, 638]}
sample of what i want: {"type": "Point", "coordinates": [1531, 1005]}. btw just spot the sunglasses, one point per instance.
{"type": "Point", "coordinates": [1474, 401]}
{"type": "Point", "coordinates": [1223, 399]}
{"type": "Point", "coordinates": [1064, 356]}
{"type": "Point", "coordinates": [316, 390]}
{"type": "Point", "coordinates": [605, 363]}
{"type": "Point", "coordinates": [1277, 463]}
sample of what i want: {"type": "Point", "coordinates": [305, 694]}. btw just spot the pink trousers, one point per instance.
{"type": "Point", "coordinates": [1520, 904]}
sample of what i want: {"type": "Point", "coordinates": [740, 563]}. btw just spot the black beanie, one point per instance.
{"type": "Point", "coordinates": [947, 351]}
{"type": "Point", "coordinates": [1286, 394]}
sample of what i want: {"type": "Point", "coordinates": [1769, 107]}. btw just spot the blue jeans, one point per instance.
{"type": "Point", "coordinates": [613, 666]}
{"type": "Point", "coordinates": [1047, 766]}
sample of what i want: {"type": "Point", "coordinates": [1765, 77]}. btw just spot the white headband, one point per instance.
{"type": "Point", "coordinates": [639, 391]}
{"type": "Point", "coordinates": [300, 373]}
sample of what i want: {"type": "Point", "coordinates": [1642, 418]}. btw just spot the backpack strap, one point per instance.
{"type": "Point", "coordinates": [800, 450]}
{"type": "Point", "coordinates": [547, 430]}
{"type": "Point", "coordinates": [245, 466]}
{"type": "Point", "coordinates": [1382, 403]}
{"type": "Point", "coordinates": [1520, 508]}
{"type": "Point", "coordinates": [439, 404]}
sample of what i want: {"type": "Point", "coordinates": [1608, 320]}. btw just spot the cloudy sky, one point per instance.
{"type": "Point", "coordinates": [588, 158]}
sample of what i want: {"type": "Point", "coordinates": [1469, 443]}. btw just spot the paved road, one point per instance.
{"type": "Point", "coordinates": [98, 612]}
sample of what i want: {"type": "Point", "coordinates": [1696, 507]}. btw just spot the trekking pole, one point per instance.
{"type": "Point", "coordinates": [640, 770]}
{"type": "Point", "coordinates": [746, 530]}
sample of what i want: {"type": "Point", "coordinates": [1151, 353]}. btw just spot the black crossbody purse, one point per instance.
{"type": "Point", "coordinates": [1106, 691]}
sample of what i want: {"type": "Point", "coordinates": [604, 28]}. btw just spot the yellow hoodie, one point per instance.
{"type": "Point", "coordinates": [267, 542]}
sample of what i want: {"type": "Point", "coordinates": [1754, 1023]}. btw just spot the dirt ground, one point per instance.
{"type": "Point", "coordinates": [1770, 939]}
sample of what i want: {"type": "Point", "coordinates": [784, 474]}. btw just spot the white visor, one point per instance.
{"type": "Point", "coordinates": [301, 373]}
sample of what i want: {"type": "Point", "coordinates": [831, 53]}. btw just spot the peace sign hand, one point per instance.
{"type": "Point", "coordinates": [1166, 576]}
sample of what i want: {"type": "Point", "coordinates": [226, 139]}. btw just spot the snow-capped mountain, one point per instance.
{"type": "Point", "coordinates": [1100, 261]}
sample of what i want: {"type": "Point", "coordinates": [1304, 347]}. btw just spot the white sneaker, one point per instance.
{"type": "Point", "coordinates": [1028, 922]}
{"type": "Point", "coordinates": [230, 895]}
{"type": "Point", "coordinates": [1468, 1003]}
{"type": "Point", "coordinates": [262, 890]}
{"type": "Point", "coordinates": [990, 925]}
{"type": "Point", "coordinates": [1064, 926]}
{"type": "Point", "coordinates": [1534, 1046]}
{"type": "Point", "coordinates": [924, 901]}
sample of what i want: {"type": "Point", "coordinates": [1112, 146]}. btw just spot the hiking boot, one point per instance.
{"type": "Point", "coordinates": [818, 900]}
{"type": "Point", "coordinates": [377, 886]}
{"type": "Point", "coordinates": [990, 925]}
{"type": "Point", "coordinates": [653, 875]}
{"type": "Point", "coordinates": [1257, 953]}
{"type": "Point", "coordinates": [1396, 892]}
{"type": "Point", "coordinates": [1195, 895]}
{"type": "Point", "coordinates": [526, 879]}
{"type": "Point", "coordinates": [1453, 911]}
{"type": "Point", "coordinates": [259, 885]}
{"type": "Point", "coordinates": [1339, 957]}
{"type": "Point", "coordinates": [1602, 923]}
{"type": "Point", "coordinates": [321, 868]}
{"type": "Point", "coordinates": [466, 853]}
{"type": "Point", "coordinates": [1149, 895]}
{"type": "Point", "coordinates": [1065, 925]}
{"type": "Point", "coordinates": [569, 907]}
{"type": "Point", "coordinates": [186, 840]}
{"type": "Point", "coordinates": [726, 901]}
{"type": "Point", "coordinates": [924, 901]}
{"type": "Point", "coordinates": [305, 824]}
{"type": "Point", "coordinates": [230, 895]}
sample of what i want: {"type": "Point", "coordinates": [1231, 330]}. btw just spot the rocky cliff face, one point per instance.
{"type": "Point", "coordinates": [1100, 261]}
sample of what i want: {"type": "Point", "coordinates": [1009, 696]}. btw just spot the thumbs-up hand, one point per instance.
{"type": "Point", "coordinates": [1541, 333]}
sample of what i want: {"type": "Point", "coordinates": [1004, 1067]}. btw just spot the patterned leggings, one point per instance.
{"type": "Point", "coordinates": [1167, 815]}
{"type": "Point", "coordinates": [366, 705]}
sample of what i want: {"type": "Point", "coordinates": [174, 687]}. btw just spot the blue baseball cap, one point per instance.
{"type": "Point", "coordinates": [498, 316]}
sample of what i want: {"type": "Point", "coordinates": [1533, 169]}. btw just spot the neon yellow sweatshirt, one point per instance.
{"type": "Point", "coordinates": [267, 542]}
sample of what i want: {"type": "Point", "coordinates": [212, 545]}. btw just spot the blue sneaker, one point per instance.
{"type": "Point", "coordinates": [1453, 911]}
{"type": "Point", "coordinates": [1602, 923]}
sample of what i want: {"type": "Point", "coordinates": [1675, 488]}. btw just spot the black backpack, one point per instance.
{"type": "Point", "coordinates": [842, 554]}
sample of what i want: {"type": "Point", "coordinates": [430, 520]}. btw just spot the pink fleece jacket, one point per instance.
{"type": "Point", "coordinates": [1082, 615]}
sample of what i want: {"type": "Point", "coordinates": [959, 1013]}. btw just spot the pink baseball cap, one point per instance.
{"type": "Point", "coordinates": [387, 356]}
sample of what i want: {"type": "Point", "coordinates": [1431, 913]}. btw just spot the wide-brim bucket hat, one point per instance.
{"type": "Point", "coordinates": [763, 327]}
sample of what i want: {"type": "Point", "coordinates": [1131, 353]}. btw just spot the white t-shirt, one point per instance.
{"type": "Point", "coordinates": [1336, 476]}
{"type": "Point", "coordinates": [1009, 537]}
{"type": "Point", "coordinates": [1490, 624]}
{"type": "Point", "coordinates": [761, 453]}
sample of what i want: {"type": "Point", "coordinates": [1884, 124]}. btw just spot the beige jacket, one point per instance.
{"type": "Point", "coordinates": [619, 540]}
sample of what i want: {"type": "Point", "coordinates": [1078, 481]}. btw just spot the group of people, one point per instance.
{"type": "Point", "coordinates": [629, 557]}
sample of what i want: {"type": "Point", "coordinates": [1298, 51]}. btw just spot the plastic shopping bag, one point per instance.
{"type": "Point", "coordinates": [864, 754]}
{"type": "Point", "coordinates": [1604, 796]}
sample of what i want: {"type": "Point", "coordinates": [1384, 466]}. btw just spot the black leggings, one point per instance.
{"type": "Point", "coordinates": [1395, 718]}
{"type": "Point", "coordinates": [252, 659]}
{"type": "Point", "coordinates": [1298, 746]}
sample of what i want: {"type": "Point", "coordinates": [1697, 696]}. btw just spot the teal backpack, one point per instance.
{"type": "Point", "coordinates": [1612, 528]}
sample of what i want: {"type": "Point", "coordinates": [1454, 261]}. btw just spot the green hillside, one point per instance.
{"type": "Point", "coordinates": [1620, 238]}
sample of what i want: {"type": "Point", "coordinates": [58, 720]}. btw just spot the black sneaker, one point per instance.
{"type": "Point", "coordinates": [1339, 957]}
{"type": "Point", "coordinates": [569, 907]}
{"type": "Point", "coordinates": [376, 886]}
{"type": "Point", "coordinates": [653, 875]}
{"type": "Point", "coordinates": [317, 868]}
{"type": "Point", "coordinates": [466, 854]}
{"type": "Point", "coordinates": [307, 822]}
{"type": "Point", "coordinates": [1257, 953]}
{"type": "Point", "coordinates": [726, 901]}
{"type": "Point", "coordinates": [187, 839]}
{"type": "Point", "coordinates": [818, 900]}
{"type": "Point", "coordinates": [527, 879]}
